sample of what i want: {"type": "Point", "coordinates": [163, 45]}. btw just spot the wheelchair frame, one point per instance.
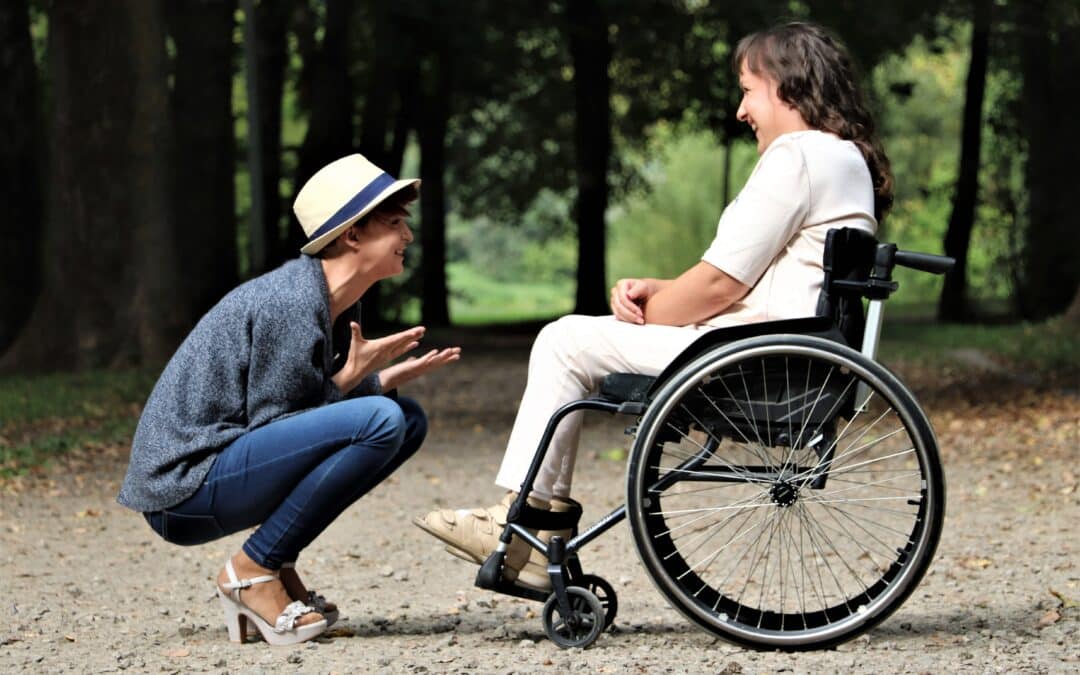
{"type": "Point", "coordinates": [581, 605]}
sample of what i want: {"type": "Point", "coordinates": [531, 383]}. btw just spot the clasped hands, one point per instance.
{"type": "Point", "coordinates": [367, 356]}
{"type": "Point", "coordinates": [628, 298]}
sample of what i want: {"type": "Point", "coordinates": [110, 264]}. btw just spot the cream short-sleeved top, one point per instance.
{"type": "Point", "coordinates": [772, 236]}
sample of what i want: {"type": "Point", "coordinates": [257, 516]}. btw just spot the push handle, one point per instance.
{"type": "Point", "coordinates": [924, 262]}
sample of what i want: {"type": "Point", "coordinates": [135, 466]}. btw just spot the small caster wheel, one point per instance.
{"type": "Point", "coordinates": [581, 626]}
{"type": "Point", "coordinates": [605, 593]}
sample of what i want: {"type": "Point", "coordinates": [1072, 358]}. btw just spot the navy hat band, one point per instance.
{"type": "Point", "coordinates": [355, 205]}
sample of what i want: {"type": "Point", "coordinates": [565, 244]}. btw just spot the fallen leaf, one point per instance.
{"type": "Point", "coordinates": [1066, 602]}
{"type": "Point", "coordinates": [1049, 618]}
{"type": "Point", "coordinates": [975, 563]}
{"type": "Point", "coordinates": [340, 631]}
{"type": "Point", "coordinates": [88, 513]}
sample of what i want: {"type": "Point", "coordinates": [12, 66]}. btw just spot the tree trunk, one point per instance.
{"type": "Point", "coordinates": [330, 128]}
{"type": "Point", "coordinates": [591, 54]}
{"type": "Point", "coordinates": [107, 206]}
{"type": "Point", "coordinates": [375, 120]}
{"type": "Point", "coordinates": [407, 78]}
{"type": "Point", "coordinates": [20, 171]}
{"type": "Point", "coordinates": [272, 22]}
{"type": "Point", "coordinates": [374, 124]}
{"type": "Point", "coordinates": [434, 116]}
{"type": "Point", "coordinates": [161, 321]}
{"type": "Point", "coordinates": [953, 305]}
{"type": "Point", "coordinates": [204, 202]}
{"type": "Point", "coordinates": [1051, 103]}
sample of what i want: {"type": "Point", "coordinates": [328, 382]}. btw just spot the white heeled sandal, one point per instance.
{"type": "Point", "coordinates": [317, 601]}
{"type": "Point", "coordinates": [283, 632]}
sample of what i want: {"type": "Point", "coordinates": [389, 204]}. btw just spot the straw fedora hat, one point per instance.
{"type": "Point", "coordinates": [338, 195]}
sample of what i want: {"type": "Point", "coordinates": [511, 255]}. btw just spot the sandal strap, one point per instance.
{"type": "Point", "coordinates": [286, 621]}
{"type": "Point", "coordinates": [235, 583]}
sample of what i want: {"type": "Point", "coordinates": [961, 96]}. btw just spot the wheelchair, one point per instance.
{"type": "Point", "coordinates": [783, 491]}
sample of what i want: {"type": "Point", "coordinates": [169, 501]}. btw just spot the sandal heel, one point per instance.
{"type": "Point", "coordinates": [235, 620]}
{"type": "Point", "coordinates": [237, 614]}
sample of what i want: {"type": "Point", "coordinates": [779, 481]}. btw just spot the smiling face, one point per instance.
{"type": "Point", "coordinates": [762, 108]}
{"type": "Point", "coordinates": [383, 240]}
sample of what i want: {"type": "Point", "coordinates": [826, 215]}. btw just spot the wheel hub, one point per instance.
{"type": "Point", "coordinates": [784, 494]}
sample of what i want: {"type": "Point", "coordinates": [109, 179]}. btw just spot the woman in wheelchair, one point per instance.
{"type": "Point", "coordinates": [820, 167]}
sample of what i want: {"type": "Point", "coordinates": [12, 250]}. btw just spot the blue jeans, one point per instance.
{"type": "Point", "coordinates": [293, 477]}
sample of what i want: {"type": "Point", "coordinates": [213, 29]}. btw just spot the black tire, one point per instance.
{"type": "Point", "coordinates": [772, 508]}
{"type": "Point", "coordinates": [604, 592]}
{"type": "Point", "coordinates": [581, 626]}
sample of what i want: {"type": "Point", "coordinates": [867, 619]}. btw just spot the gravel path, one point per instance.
{"type": "Point", "coordinates": [89, 588]}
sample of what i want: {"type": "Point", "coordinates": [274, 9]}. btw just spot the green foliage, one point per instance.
{"type": "Point", "coordinates": [663, 230]}
{"type": "Point", "coordinates": [44, 416]}
{"type": "Point", "coordinates": [920, 128]}
{"type": "Point", "coordinates": [477, 299]}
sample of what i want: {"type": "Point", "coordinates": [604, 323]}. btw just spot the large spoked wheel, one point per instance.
{"type": "Point", "coordinates": [578, 628]}
{"type": "Point", "coordinates": [785, 492]}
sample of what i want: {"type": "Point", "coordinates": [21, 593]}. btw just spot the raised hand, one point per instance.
{"type": "Point", "coordinates": [410, 369]}
{"type": "Point", "coordinates": [367, 356]}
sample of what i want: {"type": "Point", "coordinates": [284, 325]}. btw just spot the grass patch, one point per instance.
{"type": "Point", "coordinates": [43, 416]}
{"type": "Point", "coordinates": [1042, 347]}
{"type": "Point", "coordinates": [477, 299]}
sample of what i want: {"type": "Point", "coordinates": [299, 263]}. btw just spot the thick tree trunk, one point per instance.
{"type": "Point", "coordinates": [1051, 103]}
{"type": "Point", "coordinates": [375, 120]}
{"type": "Point", "coordinates": [271, 49]}
{"type": "Point", "coordinates": [160, 274]}
{"type": "Point", "coordinates": [953, 305]}
{"type": "Point", "coordinates": [107, 206]}
{"type": "Point", "coordinates": [375, 123]}
{"type": "Point", "coordinates": [407, 89]}
{"type": "Point", "coordinates": [204, 202]}
{"type": "Point", "coordinates": [591, 53]}
{"type": "Point", "coordinates": [20, 171]}
{"type": "Point", "coordinates": [434, 117]}
{"type": "Point", "coordinates": [330, 128]}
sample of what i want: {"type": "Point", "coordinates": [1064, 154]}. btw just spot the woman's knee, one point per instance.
{"type": "Point", "coordinates": [416, 422]}
{"type": "Point", "coordinates": [564, 337]}
{"type": "Point", "coordinates": [380, 421]}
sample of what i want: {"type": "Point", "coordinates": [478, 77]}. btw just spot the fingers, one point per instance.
{"type": "Point", "coordinates": [625, 299]}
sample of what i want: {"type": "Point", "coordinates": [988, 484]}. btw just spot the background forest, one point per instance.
{"type": "Point", "coordinates": [150, 151]}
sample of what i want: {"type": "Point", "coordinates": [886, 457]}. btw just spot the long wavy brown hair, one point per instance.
{"type": "Point", "coordinates": [814, 74]}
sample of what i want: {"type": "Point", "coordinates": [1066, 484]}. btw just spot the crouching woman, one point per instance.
{"type": "Point", "coordinates": [262, 419]}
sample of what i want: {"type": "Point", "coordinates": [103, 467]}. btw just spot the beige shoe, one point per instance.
{"type": "Point", "coordinates": [534, 574]}
{"type": "Point", "coordinates": [473, 534]}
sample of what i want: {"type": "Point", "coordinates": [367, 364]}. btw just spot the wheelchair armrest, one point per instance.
{"type": "Point", "coordinates": [622, 387]}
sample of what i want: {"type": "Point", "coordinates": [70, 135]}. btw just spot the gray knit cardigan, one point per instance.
{"type": "Point", "coordinates": [264, 352]}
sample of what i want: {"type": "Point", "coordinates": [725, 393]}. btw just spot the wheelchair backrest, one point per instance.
{"type": "Point", "coordinates": [849, 256]}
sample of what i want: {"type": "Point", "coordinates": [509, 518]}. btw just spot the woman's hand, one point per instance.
{"type": "Point", "coordinates": [367, 356]}
{"type": "Point", "coordinates": [628, 298]}
{"type": "Point", "coordinates": [398, 374]}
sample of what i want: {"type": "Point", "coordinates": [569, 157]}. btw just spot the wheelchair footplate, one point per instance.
{"type": "Point", "coordinates": [579, 606]}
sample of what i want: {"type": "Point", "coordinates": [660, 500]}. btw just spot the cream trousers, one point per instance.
{"type": "Point", "coordinates": [569, 359]}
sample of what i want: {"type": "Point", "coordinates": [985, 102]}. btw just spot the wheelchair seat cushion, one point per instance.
{"type": "Point", "coordinates": [623, 387]}
{"type": "Point", "coordinates": [635, 387]}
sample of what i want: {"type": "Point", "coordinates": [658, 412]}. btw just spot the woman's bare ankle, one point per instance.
{"type": "Point", "coordinates": [268, 599]}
